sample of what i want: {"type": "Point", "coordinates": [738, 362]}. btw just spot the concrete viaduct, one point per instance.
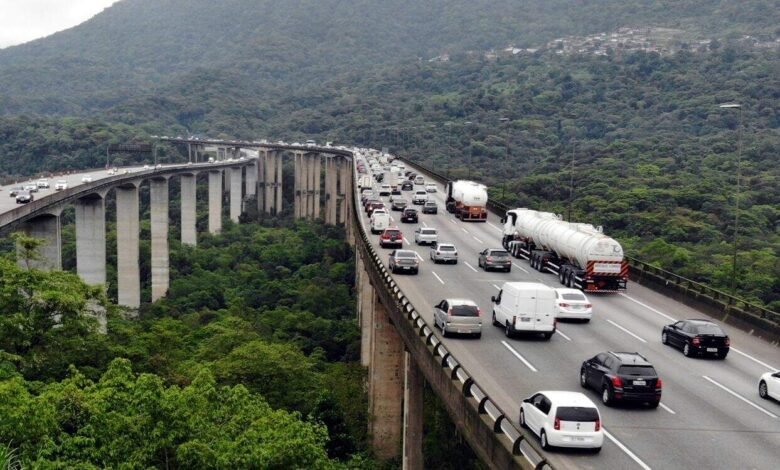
{"type": "Point", "coordinates": [398, 347]}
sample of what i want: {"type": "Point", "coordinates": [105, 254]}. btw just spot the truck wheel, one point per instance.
{"type": "Point", "coordinates": [508, 330]}
{"type": "Point", "coordinates": [562, 276]}
{"type": "Point", "coordinates": [547, 336]}
{"type": "Point", "coordinates": [495, 322]}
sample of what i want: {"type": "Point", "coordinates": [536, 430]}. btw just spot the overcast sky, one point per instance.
{"type": "Point", "coordinates": [25, 20]}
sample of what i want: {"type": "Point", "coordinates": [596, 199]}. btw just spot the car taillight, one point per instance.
{"type": "Point", "coordinates": [696, 341]}
{"type": "Point", "coordinates": [557, 424]}
{"type": "Point", "coordinates": [489, 258]}
{"type": "Point", "coordinates": [479, 312]}
{"type": "Point", "coordinates": [449, 312]}
{"type": "Point", "coordinates": [588, 305]}
{"type": "Point", "coordinates": [659, 384]}
{"type": "Point", "coordinates": [564, 305]}
{"type": "Point", "coordinates": [727, 342]}
{"type": "Point", "coordinates": [616, 382]}
{"type": "Point", "coordinates": [598, 424]}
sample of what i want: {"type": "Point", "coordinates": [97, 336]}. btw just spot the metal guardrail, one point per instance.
{"type": "Point", "coordinates": [721, 301]}
{"type": "Point", "coordinates": [513, 439]}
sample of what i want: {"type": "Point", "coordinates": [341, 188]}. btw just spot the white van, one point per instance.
{"type": "Point", "coordinates": [525, 307]}
{"type": "Point", "coordinates": [380, 220]}
{"type": "Point", "coordinates": [365, 182]}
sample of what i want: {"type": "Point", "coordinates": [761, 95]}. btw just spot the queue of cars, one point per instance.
{"type": "Point", "coordinates": [563, 418]}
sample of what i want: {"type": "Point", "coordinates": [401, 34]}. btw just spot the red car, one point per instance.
{"type": "Point", "coordinates": [391, 237]}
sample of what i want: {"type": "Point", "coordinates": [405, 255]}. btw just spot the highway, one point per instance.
{"type": "Point", "coordinates": [710, 416]}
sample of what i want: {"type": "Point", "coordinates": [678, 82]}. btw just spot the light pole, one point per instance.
{"type": "Point", "coordinates": [736, 197]}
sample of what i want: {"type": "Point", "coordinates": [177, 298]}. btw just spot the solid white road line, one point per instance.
{"type": "Point", "coordinates": [626, 450]}
{"type": "Point", "coordinates": [561, 333]}
{"type": "Point", "coordinates": [419, 257]}
{"type": "Point", "coordinates": [464, 230]}
{"type": "Point", "coordinates": [424, 224]}
{"type": "Point", "coordinates": [496, 287]}
{"type": "Point", "coordinates": [495, 227]}
{"type": "Point", "coordinates": [437, 277]}
{"type": "Point", "coordinates": [517, 355]}
{"type": "Point", "coordinates": [477, 239]}
{"type": "Point", "coordinates": [470, 266]}
{"type": "Point", "coordinates": [772, 369]}
{"type": "Point", "coordinates": [737, 395]}
{"type": "Point", "coordinates": [520, 267]}
{"type": "Point", "coordinates": [668, 317]}
{"type": "Point", "coordinates": [407, 241]}
{"type": "Point", "coordinates": [667, 408]}
{"type": "Point", "coordinates": [453, 221]}
{"type": "Point", "coordinates": [625, 330]}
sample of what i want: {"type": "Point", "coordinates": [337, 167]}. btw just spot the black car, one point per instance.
{"type": "Point", "coordinates": [23, 197]}
{"type": "Point", "coordinates": [409, 215]}
{"type": "Point", "coordinates": [399, 204]}
{"type": "Point", "coordinates": [698, 337]}
{"type": "Point", "coordinates": [407, 186]}
{"type": "Point", "coordinates": [622, 377]}
{"type": "Point", "coordinates": [379, 177]}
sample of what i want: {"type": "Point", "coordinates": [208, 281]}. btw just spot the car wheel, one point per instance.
{"type": "Point", "coordinates": [478, 335]}
{"type": "Point", "coordinates": [507, 330]}
{"type": "Point", "coordinates": [509, 270]}
{"type": "Point", "coordinates": [583, 379]}
{"type": "Point", "coordinates": [547, 336]}
{"type": "Point", "coordinates": [664, 338]}
{"type": "Point", "coordinates": [687, 350]}
{"type": "Point", "coordinates": [455, 262]}
{"type": "Point", "coordinates": [762, 392]}
{"type": "Point", "coordinates": [545, 444]}
{"type": "Point", "coordinates": [586, 320]}
{"type": "Point", "coordinates": [606, 395]}
{"type": "Point", "coordinates": [596, 450]}
{"type": "Point", "coordinates": [654, 404]}
{"type": "Point", "coordinates": [722, 355]}
{"type": "Point", "coordinates": [444, 330]}
{"type": "Point", "coordinates": [522, 419]}
{"type": "Point", "coordinates": [495, 322]}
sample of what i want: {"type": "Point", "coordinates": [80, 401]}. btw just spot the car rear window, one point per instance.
{"type": "Point", "coordinates": [446, 248]}
{"type": "Point", "coordinates": [464, 311]}
{"type": "Point", "coordinates": [428, 231]}
{"type": "Point", "coordinates": [405, 254]}
{"type": "Point", "coordinates": [636, 370]}
{"type": "Point", "coordinates": [498, 253]}
{"type": "Point", "coordinates": [392, 232]}
{"type": "Point", "coordinates": [573, 296]}
{"type": "Point", "coordinates": [577, 413]}
{"type": "Point", "coordinates": [707, 329]}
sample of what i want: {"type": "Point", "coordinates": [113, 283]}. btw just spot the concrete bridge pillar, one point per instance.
{"type": "Point", "coordinates": [45, 227]}
{"type": "Point", "coordinates": [91, 238]}
{"type": "Point", "coordinates": [329, 197]}
{"type": "Point", "coordinates": [127, 233]}
{"type": "Point", "coordinates": [300, 184]}
{"type": "Point", "coordinates": [278, 187]}
{"type": "Point", "coordinates": [316, 185]}
{"type": "Point", "coordinates": [349, 201]}
{"type": "Point", "coordinates": [189, 235]}
{"type": "Point", "coordinates": [235, 193]}
{"type": "Point", "coordinates": [158, 196]}
{"type": "Point", "coordinates": [251, 179]}
{"type": "Point", "coordinates": [386, 385]}
{"type": "Point", "coordinates": [413, 415]}
{"type": "Point", "coordinates": [344, 175]}
{"type": "Point", "coordinates": [215, 201]}
{"type": "Point", "coordinates": [365, 311]}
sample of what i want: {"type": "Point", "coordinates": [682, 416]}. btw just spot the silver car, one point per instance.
{"type": "Point", "coordinates": [458, 316]}
{"type": "Point", "coordinates": [426, 236]}
{"type": "Point", "coordinates": [444, 252]}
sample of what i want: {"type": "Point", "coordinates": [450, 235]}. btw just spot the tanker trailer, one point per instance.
{"type": "Point", "coordinates": [580, 255]}
{"type": "Point", "coordinates": [520, 226]}
{"type": "Point", "coordinates": [467, 200]}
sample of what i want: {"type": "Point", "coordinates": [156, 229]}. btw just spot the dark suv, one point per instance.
{"type": "Point", "coordinates": [409, 215]}
{"type": "Point", "coordinates": [622, 376]}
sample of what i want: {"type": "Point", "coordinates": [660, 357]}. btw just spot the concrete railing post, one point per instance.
{"type": "Point", "coordinates": [386, 386]}
{"type": "Point", "coordinates": [413, 415]}
{"type": "Point", "coordinates": [127, 234]}
{"type": "Point", "coordinates": [235, 194]}
{"type": "Point", "coordinates": [215, 201]}
{"type": "Point", "coordinates": [189, 234]}
{"type": "Point", "coordinates": [158, 198]}
{"type": "Point", "coordinates": [91, 238]}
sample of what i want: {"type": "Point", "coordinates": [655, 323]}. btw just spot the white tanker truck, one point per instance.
{"type": "Point", "coordinates": [579, 254]}
{"type": "Point", "coordinates": [467, 200]}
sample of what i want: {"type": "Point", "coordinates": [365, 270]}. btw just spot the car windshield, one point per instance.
{"type": "Point", "coordinates": [636, 370]}
{"type": "Point", "coordinates": [707, 329]}
{"type": "Point", "coordinates": [573, 296]}
{"type": "Point", "coordinates": [498, 253]}
{"type": "Point", "coordinates": [577, 413]}
{"type": "Point", "coordinates": [464, 311]}
{"type": "Point", "coordinates": [446, 248]}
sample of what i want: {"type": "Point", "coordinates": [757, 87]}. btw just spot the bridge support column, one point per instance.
{"type": "Point", "coordinates": [127, 229]}
{"type": "Point", "coordinates": [47, 228]}
{"type": "Point", "coordinates": [300, 184]}
{"type": "Point", "coordinates": [350, 198]}
{"type": "Point", "coordinates": [189, 235]}
{"type": "Point", "coordinates": [269, 182]}
{"type": "Point", "coordinates": [215, 201]}
{"type": "Point", "coordinates": [413, 415]}
{"type": "Point", "coordinates": [278, 187]}
{"type": "Point", "coordinates": [365, 311]}
{"type": "Point", "coordinates": [158, 195]}
{"type": "Point", "coordinates": [235, 194]}
{"type": "Point", "coordinates": [386, 385]}
{"type": "Point", "coordinates": [343, 177]}
{"type": "Point", "coordinates": [91, 239]}
{"type": "Point", "coordinates": [330, 191]}
{"type": "Point", "coordinates": [316, 185]}
{"type": "Point", "coordinates": [251, 180]}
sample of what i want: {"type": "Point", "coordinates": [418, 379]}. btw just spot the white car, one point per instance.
{"type": "Point", "coordinates": [430, 187]}
{"type": "Point", "coordinates": [384, 190]}
{"type": "Point", "coordinates": [86, 179]}
{"type": "Point", "coordinates": [563, 419]}
{"type": "Point", "coordinates": [572, 304]}
{"type": "Point", "coordinates": [769, 385]}
{"type": "Point", "coordinates": [426, 236]}
{"type": "Point", "coordinates": [444, 252]}
{"type": "Point", "coordinates": [43, 184]}
{"type": "Point", "coordinates": [61, 185]}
